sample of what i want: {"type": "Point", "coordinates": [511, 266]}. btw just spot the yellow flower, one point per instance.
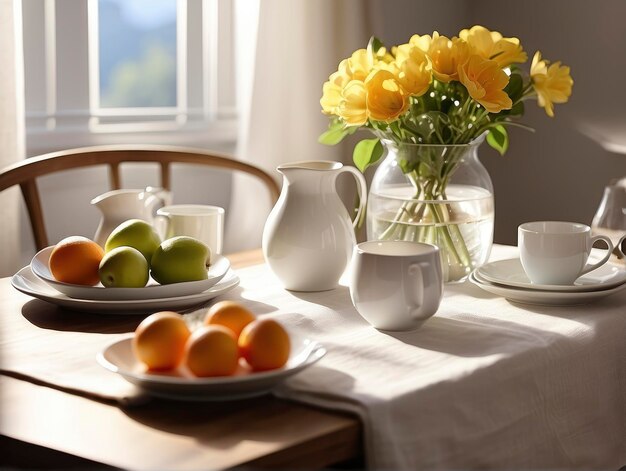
{"type": "Point", "coordinates": [402, 52]}
{"type": "Point", "coordinates": [356, 67]}
{"type": "Point", "coordinates": [446, 56]}
{"type": "Point", "coordinates": [552, 83]}
{"type": "Point", "coordinates": [485, 82]}
{"type": "Point", "coordinates": [331, 97]}
{"type": "Point", "coordinates": [359, 65]}
{"type": "Point", "coordinates": [382, 56]}
{"type": "Point", "coordinates": [414, 71]}
{"type": "Point", "coordinates": [491, 45]}
{"type": "Point", "coordinates": [353, 104]}
{"type": "Point", "coordinates": [423, 42]}
{"type": "Point", "coordinates": [386, 100]}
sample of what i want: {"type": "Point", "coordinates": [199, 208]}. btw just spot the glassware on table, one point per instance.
{"type": "Point", "coordinates": [610, 218]}
{"type": "Point", "coordinates": [437, 194]}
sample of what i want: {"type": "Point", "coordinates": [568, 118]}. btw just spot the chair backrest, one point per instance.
{"type": "Point", "coordinates": [26, 172]}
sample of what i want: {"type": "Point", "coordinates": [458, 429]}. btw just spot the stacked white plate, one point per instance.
{"type": "Point", "coordinates": [507, 278]}
{"type": "Point", "coordinates": [37, 281]}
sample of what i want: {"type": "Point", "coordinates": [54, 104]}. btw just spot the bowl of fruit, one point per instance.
{"type": "Point", "coordinates": [133, 265]}
{"type": "Point", "coordinates": [232, 355]}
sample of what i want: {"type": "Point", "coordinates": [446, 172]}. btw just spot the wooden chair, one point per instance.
{"type": "Point", "coordinates": [26, 172]}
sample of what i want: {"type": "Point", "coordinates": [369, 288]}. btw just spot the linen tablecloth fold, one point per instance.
{"type": "Point", "coordinates": [57, 348]}
{"type": "Point", "coordinates": [484, 383]}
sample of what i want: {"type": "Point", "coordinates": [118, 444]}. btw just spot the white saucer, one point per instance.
{"type": "Point", "coordinates": [544, 298]}
{"type": "Point", "coordinates": [182, 385]}
{"type": "Point", "coordinates": [153, 290]}
{"type": "Point", "coordinates": [511, 273]}
{"type": "Point", "coordinates": [27, 282]}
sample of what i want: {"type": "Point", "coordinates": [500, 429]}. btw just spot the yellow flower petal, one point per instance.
{"type": "Point", "coordinates": [446, 56]}
{"type": "Point", "coordinates": [423, 42]}
{"type": "Point", "coordinates": [330, 98]}
{"type": "Point", "coordinates": [491, 45]}
{"type": "Point", "coordinates": [353, 104]}
{"type": "Point", "coordinates": [386, 99]}
{"type": "Point", "coordinates": [415, 73]}
{"type": "Point", "coordinates": [360, 64]}
{"type": "Point", "coordinates": [485, 82]}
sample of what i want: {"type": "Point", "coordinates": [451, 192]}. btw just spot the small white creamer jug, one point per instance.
{"type": "Point", "coordinates": [118, 206]}
{"type": "Point", "coordinates": [308, 237]}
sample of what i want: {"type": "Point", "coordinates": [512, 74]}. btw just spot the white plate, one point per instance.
{"type": "Point", "coordinates": [182, 385]}
{"type": "Point", "coordinates": [27, 282]}
{"type": "Point", "coordinates": [544, 298]}
{"type": "Point", "coordinates": [153, 290]}
{"type": "Point", "coordinates": [511, 273]}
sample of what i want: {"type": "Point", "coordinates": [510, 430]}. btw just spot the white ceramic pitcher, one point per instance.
{"type": "Point", "coordinates": [309, 237]}
{"type": "Point", "coordinates": [118, 206]}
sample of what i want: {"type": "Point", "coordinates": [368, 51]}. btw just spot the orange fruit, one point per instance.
{"type": "Point", "coordinates": [76, 260]}
{"type": "Point", "coordinates": [264, 344]}
{"type": "Point", "coordinates": [160, 340]}
{"type": "Point", "coordinates": [229, 314]}
{"type": "Point", "coordinates": [212, 351]}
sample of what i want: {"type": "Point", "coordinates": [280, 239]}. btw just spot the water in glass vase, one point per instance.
{"type": "Point", "coordinates": [461, 225]}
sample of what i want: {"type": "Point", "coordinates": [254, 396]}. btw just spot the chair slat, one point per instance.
{"type": "Point", "coordinates": [35, 213]}
{"type": "Point", "coordinates": [114, 176]}
{"type": "Point", "coordinates": [165, 175]}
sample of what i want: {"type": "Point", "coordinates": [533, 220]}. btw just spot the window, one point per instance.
{"type": "Point", "coordinates": [123, 71]}
{"type": "Point", "coordinates": [136, 53]}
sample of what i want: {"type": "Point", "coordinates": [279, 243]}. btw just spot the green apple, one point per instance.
{"type": "Point", "coordinates": [124, 267]}
{"type": "Point", "coordinates": [180, 259]}
{"type": "Point", "coordinates": [134, 233]}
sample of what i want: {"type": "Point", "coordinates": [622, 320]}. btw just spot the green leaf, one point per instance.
{"type": "Point", "coordinates": [518, 109]}
{"type": "Point", "coordinates": [374, 45]}
{"type": "Point", "coordinates": [367, 152]}
{"type": "Point", "coordinates": [406, 166]}
{"type": "Point", "coordinates": [335, 133]}
{"type": "Point", "coordinates": [498, 138]}
{"type": "Point", "coordinates": [514, 87]}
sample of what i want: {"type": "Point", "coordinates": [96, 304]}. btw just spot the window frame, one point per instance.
{"type": "Point", "coordinates": [62, 89]}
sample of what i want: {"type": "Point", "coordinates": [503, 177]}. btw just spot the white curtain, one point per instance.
{"type": "Point", "coordinates": [11, 128]}
{"type": "Point", "coordinates": [292, 47]}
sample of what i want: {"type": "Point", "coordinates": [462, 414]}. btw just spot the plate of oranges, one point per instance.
{"type": "Point", "coordinates": [72, 268]}
{"type": "Point", "coordinates": [232, 355]}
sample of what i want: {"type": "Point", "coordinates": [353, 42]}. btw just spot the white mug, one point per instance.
{"type": "Point", "coordinates": [204, 222]}
{"type": "Point", "coordinates": [396, 285]}
{"type": "Point", "coordinates": [556, 253]}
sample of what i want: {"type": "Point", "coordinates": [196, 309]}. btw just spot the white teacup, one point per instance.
{"type": "Point", "coordinates": [204, 222]}
{"type": "Point", "coordinates": [556, 253]}
{"type": "Point", "coordinates": [621, 246]}
{"type": "Point", "coordinates": [396, 285]}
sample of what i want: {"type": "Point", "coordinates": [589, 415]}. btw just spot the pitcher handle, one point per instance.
{"type": "Point", "coordinates": [362, 190]}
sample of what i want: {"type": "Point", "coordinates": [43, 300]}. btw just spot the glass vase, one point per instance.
{"type": "Point", "coordinates": [439, 194]}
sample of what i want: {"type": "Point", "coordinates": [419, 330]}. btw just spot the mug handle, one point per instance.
{"type": "Point", "coordinates": [361, 188]}
{"type": "Point", "coordinates": [590, 267]}
{"type": "Point", "coordinates": [414, 272]}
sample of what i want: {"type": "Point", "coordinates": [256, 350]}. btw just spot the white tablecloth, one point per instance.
{"type": "Point", "coordinates": [484, 383]}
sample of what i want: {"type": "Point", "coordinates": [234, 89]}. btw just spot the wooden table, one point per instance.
{"type": "Point", "coordinates": [41, 427]}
